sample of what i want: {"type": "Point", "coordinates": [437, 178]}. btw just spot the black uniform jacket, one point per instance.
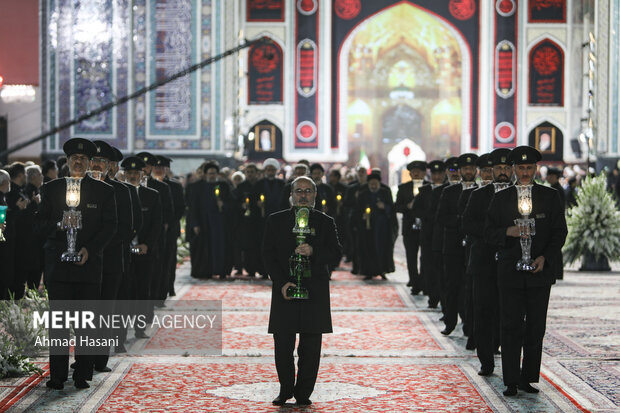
{"type": "Point", "coordinates": [98, 208]}
{"type": "Point", "coordinates": [447, 216]}
{"type": "Point", "coordinates": [548, 241]}
{"type": "Point", "coordinates": [403, 197]}
{"type": "Point", "coordinates": [482, 257]}
{"type": "Point", "coordinates": [437, 226]}
{"type": "Point", "coordinates": [167, 204]}
{"type": "Point", "coordinates": [114, 252]}
{"type": "Point", "coordinates": [300, 316]}
{"type": "Point", "coordinates": [152, 217]}
{"type": "Point", "coordinates": [178, 203]}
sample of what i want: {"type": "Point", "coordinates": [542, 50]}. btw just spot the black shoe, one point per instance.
{"type": "Point", "coordinates": [367, 277]}
{"type": "Point", "coordinates": [56, 385]}
{"type": "Point", "coordinates": [72, 365]}
{"type": "Point", "coordinates": [527, 387]}
{"type": "Point", "coordinates": [160, 304]}
{"type": "Point", "coordinates": [410, 284]}
{"type": "Point", "coordinates": [382, 277]}
{"type": "Point", "coordinates": [446, 331]}
{"type": "Point", "coordinates": [280, 400]}
{"type": "Point", "coordinates": [104, 369]}
{"type": "Point", "coordinates": [485, 372]}
{"type": "Point", "coordinates": [303, 402]}
{"type": "Point", "coordinates": [471, 345]}
{"type": "Point", "coordinates": [81, 384]}
{"type": "Point", "coordinates": [172, 293]}
{"type": "Point", "coordinates": [442, 318]}
{"type": "Point", "coordinates": [432, 305]}
{"type": "Point", "coordinates": [141, 334]}
{"type": "Point", "coordinates": [120, 349]}
{"type": "Point", "coordinates": [511, 390]}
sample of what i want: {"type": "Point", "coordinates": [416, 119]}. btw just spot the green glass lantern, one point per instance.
{"type": "Point", "coordinates": [299, 265]}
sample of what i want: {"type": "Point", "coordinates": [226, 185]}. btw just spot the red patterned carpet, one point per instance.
{"type": "Point", "coordinates": [386, 354]}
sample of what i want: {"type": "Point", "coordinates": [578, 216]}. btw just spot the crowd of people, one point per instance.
{"type": "Point", "coordinates": [458, 229]}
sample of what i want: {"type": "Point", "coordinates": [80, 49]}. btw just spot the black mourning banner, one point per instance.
{"type": "Point", "coordinates": [265, 11]}
{"type": "Point", "coordinates": [547, 11]}
{"type": "Point", "coordinates": [265, 74]}
{"type": "Point", "coordinates": [546, 85]}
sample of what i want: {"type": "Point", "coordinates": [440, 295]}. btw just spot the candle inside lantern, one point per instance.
{"type": "Point", "coordinates": [525, 206]}
{"type": "Point", "coordinates": [217, 191]}
{"type": "Point", "coordinates": [323, 202]}
{"type": "Point", "coordinates": [72, 196]}
{"type": "Point", "coordinates": [262, 198]}
{"type": "Point", "coordinates": [338, 197]}
{"type": "Point", "coordinates": [247, 201]}
{"type": "Point", "coordinates": [302, 221]}
{"type": "Point", "coordinates": [3, 209]}
{"type": "Point", "coordinates": [368, 211]}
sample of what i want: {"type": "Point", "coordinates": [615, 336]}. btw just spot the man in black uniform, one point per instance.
{"type": "Point", "coordinates": [312, 317]}
{"type": "Point", "coordinates": [81, 280]}
{"type": "Point", "coordinates": [486, 175]}
{"type": "Point", "coordinates": [553, 178]}
{"type": "Point", "coordinates": [524, 295]}
{"type": "Point", "coordinates": [161, 172]}
{"type": "Point", "coordinates": [482, 265]}
{"type": "Point", "coordinates": [20, 218]}
{"type": "Point", "coordinates": [422, 210]}
{"type": "Point", "coordinates": [146, 241]}
{"type": "Point", "coordinates": [127, 289]}
{"type": "Point", "coordinates": [158, 291]}
{"type": "Point", "coordinates": [33, 265]}
{"type": "Point", "coordinates": [405, 198]}
{"type": "Point", "coordinates": [452, 248]}
{"type": "Point", "coordinates": [452, 168]}
{"type": "Point", "coordinates": [113, 254]}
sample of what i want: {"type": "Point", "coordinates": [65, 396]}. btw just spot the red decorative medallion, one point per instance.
{"type": "Point", "coordinates": [506, 6]}
{"type": "Point", "coordinates": [504, 132]}
{"type": "Point", "coordinates": [347, 9]}
{"type": "Point", "coordinates": [307, 6]}
{"type": "Point", "coordinates": [265, 58]}
{"type": "Point", "coordinates": [407, 151]}
{"type": "Point", "coordinates": [462, 9]}
{"type": "Point", "coordinates": [546, 60]}
{"type": "Point", "coordinates": [306, 131]}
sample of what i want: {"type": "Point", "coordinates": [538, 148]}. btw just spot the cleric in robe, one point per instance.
{"type": "Point", "coordinates": [312, 317]}
{"type": "Point", "coordinates": [375, 217]}
{"type": "Point", "coordinates": [211, 215]}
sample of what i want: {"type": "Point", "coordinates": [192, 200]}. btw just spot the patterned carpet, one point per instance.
{"type": "Point", "coordinates": [386, 354]}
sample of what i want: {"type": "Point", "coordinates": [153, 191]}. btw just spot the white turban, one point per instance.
{"type": "Point", "coordinates": [273, 162]}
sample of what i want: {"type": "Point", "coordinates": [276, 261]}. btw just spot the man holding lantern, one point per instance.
{"type": "Point", "coordinates": [526, 222]}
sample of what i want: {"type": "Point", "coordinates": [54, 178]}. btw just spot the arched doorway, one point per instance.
{"type": "Point", "coordinates": [400, 65]}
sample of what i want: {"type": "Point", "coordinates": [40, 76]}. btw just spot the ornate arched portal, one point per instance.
{"type": "Point", "coordinates": [403, 55]}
